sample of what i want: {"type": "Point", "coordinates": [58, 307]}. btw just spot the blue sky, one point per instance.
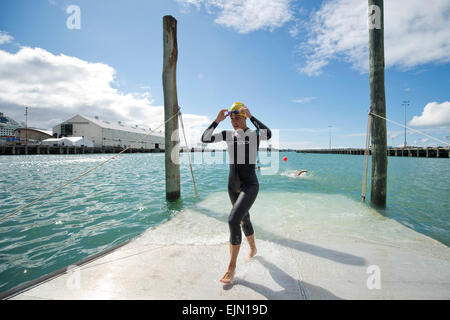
{"type": "Point", "coordinates": [300, 66]}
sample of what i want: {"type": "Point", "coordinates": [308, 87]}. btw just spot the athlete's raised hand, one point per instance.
{"type": "Point", "coordinates": [245, 111]}
{"type": "Point", "coordinates": [222, 115]}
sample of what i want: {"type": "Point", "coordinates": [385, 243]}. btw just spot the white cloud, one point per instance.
{"type": "Point", "coordinates": [187, 3]}
{"type": "Point", "coordinates": [310, 130]}
{"type": "Point", "coordinates": [56, 87]}
{"type": "Point", "coordinates": [246, 15]}
{"type": "Point", "coordinates": [353, 135]}
{"type": "Point", "coordinates": [303, 100]}
{"type": "Point", "coordinates": [394, 134]}
{"type": "Point", "coordinates": [5, 37]}
{"type": "Point", "coordinates": [434, 115]}
{"type": "Point", "coordinates": [422, 141]}
{"type": "Point", "coordinates": [297, 145]}
{"type": "Point", "coordinates": [416, 32]}
{"type": "Point", "coordinates": [294, 30]}
{"type": "Point", "coordinates": [431, 136]}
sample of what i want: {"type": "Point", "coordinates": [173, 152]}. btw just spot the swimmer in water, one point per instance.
{"type": "Point", "coordinates": [243, 186]}
{"type": "Point", "coordinates": [299, 173]}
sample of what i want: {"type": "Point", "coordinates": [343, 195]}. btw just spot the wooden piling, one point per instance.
{"type": "Point", "coordinates": [172, 137]}
{"type": "Point", "coordinates": [377, 103]}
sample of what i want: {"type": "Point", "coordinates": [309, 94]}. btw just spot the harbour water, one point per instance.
{"type": "Point", "coordinates": [126, 196]}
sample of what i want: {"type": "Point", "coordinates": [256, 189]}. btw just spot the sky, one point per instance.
{"type": "Point", "coordinates": [301, 67]}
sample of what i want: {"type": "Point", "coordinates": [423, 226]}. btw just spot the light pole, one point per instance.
{"type": "Point", "coordinates": [405, 103]}
{"type": "Point", "coordinates": [26, 126]}
{"type": "Point", "coordinates": [330, 137]}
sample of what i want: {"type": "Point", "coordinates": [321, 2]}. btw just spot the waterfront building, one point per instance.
{"type": "Point", "coordinates": [68, 142]}
{"type": "Point", "coordinates": [104, 133]}
{"type": "Point", "coordinates": [33, 135]}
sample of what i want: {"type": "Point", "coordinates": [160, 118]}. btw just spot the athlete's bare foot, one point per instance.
{"type": "Point", "coordinates": [251, 254]}
{"type": "Point", "coordinates": [228, 276]}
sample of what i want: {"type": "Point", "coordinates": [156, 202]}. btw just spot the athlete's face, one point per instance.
{"type": "Point", "coordinates": [238, 122]}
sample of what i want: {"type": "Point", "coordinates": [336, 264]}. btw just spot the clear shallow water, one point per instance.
{"type": "Point", "coordinates": [126, 196]}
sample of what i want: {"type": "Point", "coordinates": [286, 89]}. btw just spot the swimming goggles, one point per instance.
{"type": "Point", "coordinates": [235, 112]}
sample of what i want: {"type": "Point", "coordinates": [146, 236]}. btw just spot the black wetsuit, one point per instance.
{"type": "Point", "coordinates": [243, 184]}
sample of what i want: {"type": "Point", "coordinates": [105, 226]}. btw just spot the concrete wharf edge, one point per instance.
{"type": "Point", "coordinates": [307, 266]}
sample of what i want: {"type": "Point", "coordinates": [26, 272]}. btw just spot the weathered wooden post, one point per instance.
{"type": "Point", "coordinates": [377, 103]}
{"type": "Point", "coordinates": [171, 108]}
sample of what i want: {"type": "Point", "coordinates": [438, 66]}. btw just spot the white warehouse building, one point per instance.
{"type": "Point", "coordinates": [108, 133]}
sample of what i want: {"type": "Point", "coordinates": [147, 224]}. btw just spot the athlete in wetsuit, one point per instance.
{"type": "Point", "coordinates": [243, 144]}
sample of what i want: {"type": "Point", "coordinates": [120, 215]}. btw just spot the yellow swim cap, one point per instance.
{"type": "Point", "coordinates": [236, 106]}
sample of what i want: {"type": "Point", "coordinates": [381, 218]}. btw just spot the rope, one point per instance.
{"type": "Point", "coordinates": [366, 158]}
{"type": "Point", "coordinates": [366, 151]}
{"type": "Point", "coordinates": [417, 131]}
{"type": "Point", "coordinates": [77, 178]}
{"type": "Point", "coordinates": [189, 153]}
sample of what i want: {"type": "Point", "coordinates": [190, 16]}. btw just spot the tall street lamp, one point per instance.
{"type": "Point", "coordinates": [405, 103]}
{"type": "Point", "coordinates": [330, 137]}
{"type": "Point", "coordinates": [26, 126]}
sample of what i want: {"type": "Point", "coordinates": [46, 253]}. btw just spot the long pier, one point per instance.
{"type": "Point", "coordinates": [35, 149]}
{"type": "Point", "coordinates": [393, 152]}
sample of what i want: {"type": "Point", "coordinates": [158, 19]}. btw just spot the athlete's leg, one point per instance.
{"type": "Point", "coordinates": [242, 202]}
{"type": "Point", "coordinates": [247, 225]}
{"type": "Point", "coordinates": [229, 275]}
{"type": "Point", "coordinates": [234, 249]}
{"type": "Point", "coordinates": [253, 250]}
{"type": "Point", "coordinates": [240, 209]}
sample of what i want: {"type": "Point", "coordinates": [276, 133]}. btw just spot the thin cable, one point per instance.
{"type": "Point", "coordinates": [189, 154]}
{"type": "Point", "coordinates": [77, 178]}
{"type": "Point", "coordinates": [366, 158]}
{"type": "Point", "coordinates": [59, 188]}
{"type": "Point", "coordinates": [417, 131]}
